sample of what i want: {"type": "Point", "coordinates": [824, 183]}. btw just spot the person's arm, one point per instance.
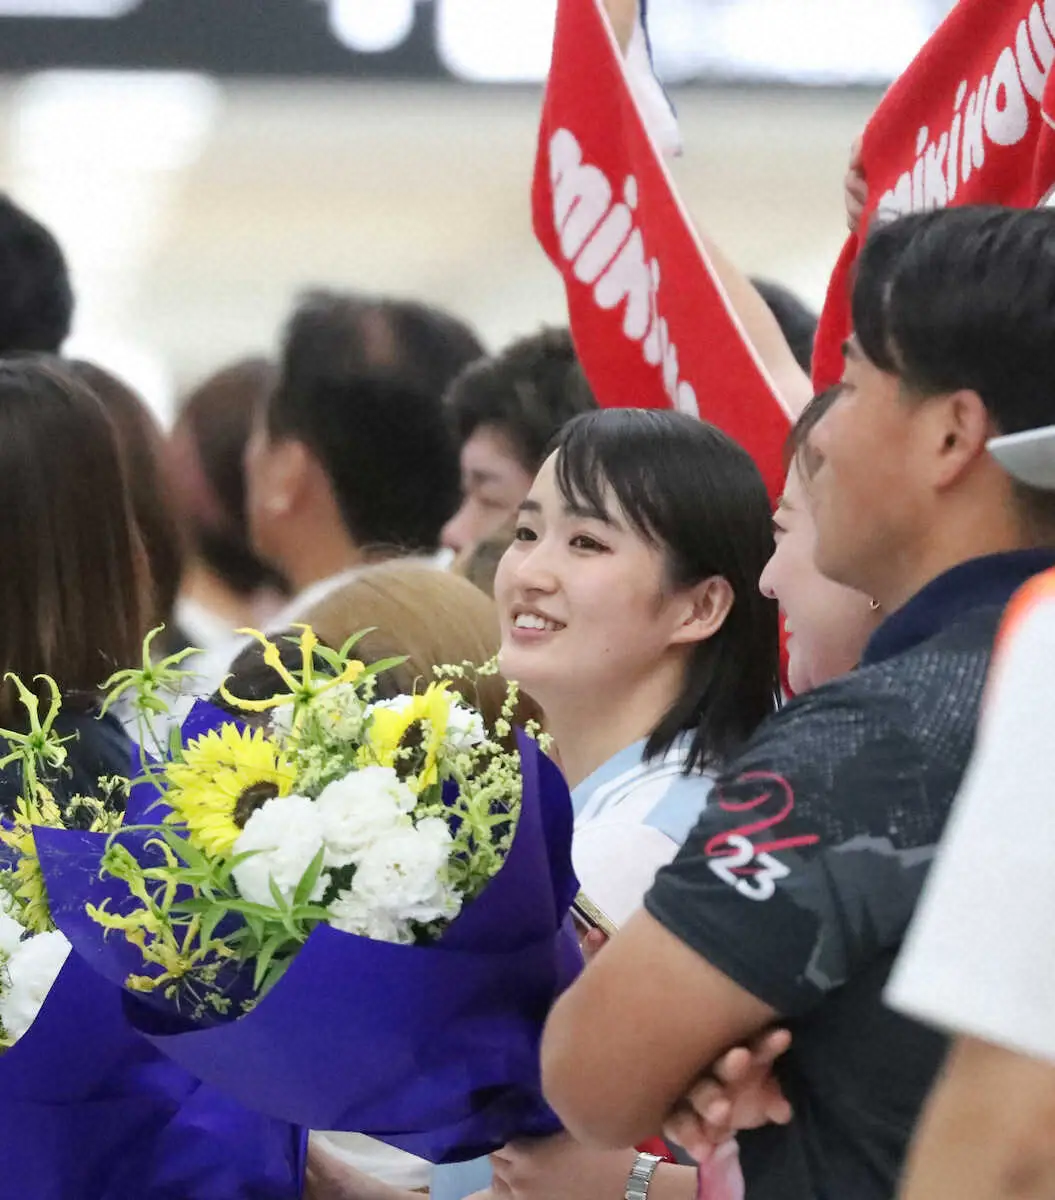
{"type": "Point", "coordinates": [559, 1168]}
{"type": "Point", "coordinates": [761, 329]}
{"type": "Point", "coordinates": [761, 915]}
{"type": "Point", "coordinates": [987, 1133]}
{"type": "Point", "coordinates": [613, 1072]}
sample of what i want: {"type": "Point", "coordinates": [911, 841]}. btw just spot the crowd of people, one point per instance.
{"type": "Point", "coordinates": [756, 838]}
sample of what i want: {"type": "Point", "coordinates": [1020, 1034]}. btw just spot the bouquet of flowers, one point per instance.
{"type": "Point", "coordinates": [92, 1109]}
{"type": "Point", "coordinates": [345, 910]}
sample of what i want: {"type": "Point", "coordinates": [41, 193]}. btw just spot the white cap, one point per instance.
{"type": "Point", "coordinates": [1029, 456]}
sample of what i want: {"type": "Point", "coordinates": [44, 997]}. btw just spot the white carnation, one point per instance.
{"type": "Point", "coordinates": [405, 874]}
{"type": "Point", "coordinates": [359, 809]}
{"type": "Point", "coordinates": [31, 970]}
{"type": "Point", "coordinates": [288, 833]}
{"type": "Point", "coordinates": [11, 932]}
{"type": "Point", "coordinates": [351, 914]}
{"type": "Point", "coordinates": [465, 728]}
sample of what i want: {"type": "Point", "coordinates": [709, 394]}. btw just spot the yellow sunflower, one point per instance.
{"type": "Point", "coordinates": [218, 770]}
{"type": "Point", "coordinates": [389, 726]}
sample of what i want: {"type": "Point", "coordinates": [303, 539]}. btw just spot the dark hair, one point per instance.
{"type": "Point", "coordinates": [527, 393]}
{"type": "Point", "coordinates": [798, 323]}
{"type": "Point", "coordinates": [797, 447]}
{"type": "Point", "coordinates": [205, 455]}
{"type": "Point", "coordinates": [140, 440]}
{"type": "Point", "coordinates": [382, 439]}
{"type": "Point", "coordinates": [964, 298]}
{"type": "Point", "coordinates": [36, 301]}
{"type": "Point", "coordinates": [349, 334]}
{"type": "Point", "coordinates": [73, 594]}
{"type": "Point", "coordinates": [692, 491]}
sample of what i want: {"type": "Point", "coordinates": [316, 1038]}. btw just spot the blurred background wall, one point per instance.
{"type": "Point", "coordinates": [200, 174]}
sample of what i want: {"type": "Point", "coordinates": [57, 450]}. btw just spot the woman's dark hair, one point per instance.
{"type": "Point", "coordinates": [694, 493]}
{"type": "Point", "coordinates": [140, 439]}
{"type": "Point", "coordinates": [205, 459]}
{"type": "Point", "coordinates": [74, 592]}
{"type": "Point", "coordinates": [797, 448]}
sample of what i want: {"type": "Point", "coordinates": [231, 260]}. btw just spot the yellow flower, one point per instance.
{"type": "Point", "coordinates": [302, 689]}
{"type": "Point", "coordinates": [216, 771]}
{"type": "Point", "coordinates": [387, 741]}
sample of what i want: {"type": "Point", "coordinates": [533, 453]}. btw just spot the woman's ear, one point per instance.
{"type": "Point", "coordinates": [709, 604]}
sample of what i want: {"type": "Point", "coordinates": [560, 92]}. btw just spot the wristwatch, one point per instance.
{"type": "Point", "coordinates": [641, 1176]}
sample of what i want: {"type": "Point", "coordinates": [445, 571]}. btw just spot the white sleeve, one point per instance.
{"type": "Point", "coordinates": [980, 955]}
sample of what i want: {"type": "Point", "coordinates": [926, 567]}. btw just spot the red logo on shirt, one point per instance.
{"type": "Point", "coordinates": [734, 856]}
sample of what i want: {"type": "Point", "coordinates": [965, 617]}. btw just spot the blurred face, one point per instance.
{"type": "Point", "coordinates": [584, 611]}
{"type": "Point", "coordinates": [869, 494]}
{"type": "Point", "coordinates": [493, 485]}
{"type": "Point", "coordinates": [260, 492]}
{"type": "Point", "coordinates": [827, 625]}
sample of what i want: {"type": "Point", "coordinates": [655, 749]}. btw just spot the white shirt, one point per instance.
{"type": "Point", "coordinates": [980, 955]}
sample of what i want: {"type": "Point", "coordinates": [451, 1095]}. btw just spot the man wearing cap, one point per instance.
{"type": "Point", "coordinates": [790, 900]}
{"type": "Point", "coordinates": [979, 960]}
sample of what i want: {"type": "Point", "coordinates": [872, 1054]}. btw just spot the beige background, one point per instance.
{"type": "Point", "coordinates": [193, 212]}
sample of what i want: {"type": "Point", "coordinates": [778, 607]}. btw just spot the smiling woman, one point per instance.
{"type": "Point", "coordinates": [630, 611]}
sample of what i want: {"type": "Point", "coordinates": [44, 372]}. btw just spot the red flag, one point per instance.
{"type": "Point", "coordinates": [963, 125]}
{"type": "Point", "coordinates": [652, 325]}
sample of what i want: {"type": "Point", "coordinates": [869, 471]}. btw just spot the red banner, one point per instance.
{"type": "Point", "coordinates": [965, 124]}
{"type": "Point", "coordinates": [651, 322]}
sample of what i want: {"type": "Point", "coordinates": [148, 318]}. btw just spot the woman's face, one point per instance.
{"type": "Point", "coordinates": [582, 602]}
{"type": "Point", "coordinates": [827, 624]}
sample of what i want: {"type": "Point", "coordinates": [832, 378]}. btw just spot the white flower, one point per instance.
{"type": "Point", "coordinates": [351, 914]}
{"type": "Point", "coordinates": [405, 874]}
{"type": "Point", "coordinates": [361, 808]}
{"type": "Point", "coordinates": [287, 831]}
{"type": "Point", "coordinates": [465, 728]}
{"type": "Point", "coordinates": [11, 932]}
{"type": "Point", "coordinates": [282, 721]}
{"type": "Point", "coordinates": [31, 970]}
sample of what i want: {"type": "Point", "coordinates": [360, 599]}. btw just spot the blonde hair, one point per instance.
{"type": "Point", "coordinates": [430, 616]}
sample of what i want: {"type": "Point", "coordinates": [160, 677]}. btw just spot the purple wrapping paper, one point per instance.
{"type": "Point", "coordinates": [432, 1049]}
{"type": "Point", "coordinates": [89, 1110]}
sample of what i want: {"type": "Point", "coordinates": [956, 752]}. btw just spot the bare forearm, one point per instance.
{"type": "Point", "coordinates": [986, 1132]}
{"type": "Point", "coordinates": [673, 1182]}
{"type": "Point", "coordinates": [793, 385]}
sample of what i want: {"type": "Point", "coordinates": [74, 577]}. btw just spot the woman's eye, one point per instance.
{"type": "Point", "coordinates": [524, 534]}
{"type": "Point", "coordinates": [583, 541]}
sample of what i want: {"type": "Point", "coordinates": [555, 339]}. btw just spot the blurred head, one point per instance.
{"type": "Point", "coordinates": [432, 617]}
{"type": "Point", "coordinates": [73, 595]}
{"type": "Point", "coordinates": [141, 441]}
{"type": "Point", "coordinates": [36, 301]}
{"type": "Point", "coordinates": [353, 444]}
{"type": "Point", "coordinates": [797, 323]}
{"type": "Point", "coordinates": [506, 412]}
{"type": "Point", "coordinates": [827, 624]}
{"type": "Point", "coordinates": [634, 574]}
{"type": "Point", "coordinates": [204, 459]}
{"type": "Point", "coordinates": [954, 342]}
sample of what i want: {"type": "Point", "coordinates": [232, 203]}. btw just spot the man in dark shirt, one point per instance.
{"type": "Point", "coordinates": [791, 898]}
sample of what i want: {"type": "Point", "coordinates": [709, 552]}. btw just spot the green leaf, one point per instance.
{"type": "Point", "coordinates": [271, 947]}
{"type": "Point", "coordinates": [309, 879]}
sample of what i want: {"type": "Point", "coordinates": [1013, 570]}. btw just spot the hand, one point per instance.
{"type": "Point", "coordinates": [593, 943]}
{"type": "Point", "coordinates": [739, 1093]}
{"type": "Point", "coordinates": [558, 1168]}
{"type": "Point", "coordinates": [330, 1178]}
{"type": "Point", "coordinates": [855, 188]}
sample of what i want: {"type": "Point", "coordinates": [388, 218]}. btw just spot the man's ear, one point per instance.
{"type": "Point", "coordinates": [709, 603]}
{"type": "Point", "coordinates": [959, 428]}
{"type": "Point", "coordinates": [288, 473]}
